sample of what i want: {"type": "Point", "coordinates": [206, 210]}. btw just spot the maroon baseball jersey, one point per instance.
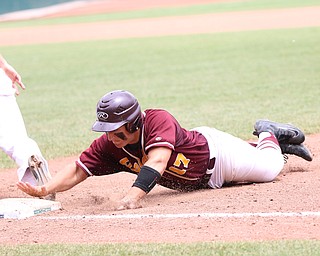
{"type": "Point", "coordinates": [186, 169]}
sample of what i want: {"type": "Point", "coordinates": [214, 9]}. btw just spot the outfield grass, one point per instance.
{"type": "Point", "coordinates": [168, 11]}
{"type": "Point", "coordinates": [225, 80]}
{"type": "Point", "coordinates": [273, 248]}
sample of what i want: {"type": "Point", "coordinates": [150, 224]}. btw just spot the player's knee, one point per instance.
{"type": "Point", "coordinates": [273, 168]}
{"type": "Point", "coordinates": [269, 164]}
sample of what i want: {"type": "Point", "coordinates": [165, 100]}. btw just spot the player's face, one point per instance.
{"type": "Point", "coordinates": [120, 137]}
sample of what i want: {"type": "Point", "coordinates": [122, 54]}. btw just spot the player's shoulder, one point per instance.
{"type": "Point", "coordinates": [156, 111]}
{"type": "Point", "coordinates": [154, 117]}
{"type": "Point", "coordinates": [157, 114]}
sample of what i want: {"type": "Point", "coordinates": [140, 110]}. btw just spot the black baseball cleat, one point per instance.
{"type": "Point", "coordinates": [285, 133]}
{"type": "Point", "coordinates": [298, 150]}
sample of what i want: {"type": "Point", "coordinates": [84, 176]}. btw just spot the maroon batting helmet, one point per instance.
{"type": "Point", "coordinates": [115, 109]}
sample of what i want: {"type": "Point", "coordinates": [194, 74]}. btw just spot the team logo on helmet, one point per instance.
{"type": "Point", "coordinates": [102, 116]}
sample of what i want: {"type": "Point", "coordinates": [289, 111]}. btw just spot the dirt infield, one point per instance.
{"type": "Point", "coordinates": [163, 26]}
{"type": "Point", "coordinates": [229, 214]}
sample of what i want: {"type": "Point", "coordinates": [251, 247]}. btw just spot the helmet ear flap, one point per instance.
{"type": "Point", "coordinates": [135, 125]}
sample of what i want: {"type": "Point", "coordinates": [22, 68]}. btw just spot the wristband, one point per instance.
{"type": "Point", "coordinates": [147, 179]}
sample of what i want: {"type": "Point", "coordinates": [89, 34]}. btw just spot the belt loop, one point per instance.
{"type": "Point", "coordinates": [212, 162]}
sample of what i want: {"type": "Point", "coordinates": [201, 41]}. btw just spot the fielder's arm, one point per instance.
{"type": "Point", "coordinates": [12, 74]}
{"type": "Point", "coordinates": [64, 180]}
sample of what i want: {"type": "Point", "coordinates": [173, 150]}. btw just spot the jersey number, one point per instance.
{"type": "Point", "coordinates": [180, 159]}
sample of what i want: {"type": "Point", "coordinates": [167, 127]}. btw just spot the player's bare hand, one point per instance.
{"type": "Point", "coordinates": [17, 79]}
{"type": "Point", "coordinates": [14, 76]}
{"type": "Point", "coordinates": [37, 191]}
{"type": "Point", "coordinates": [125, 204]}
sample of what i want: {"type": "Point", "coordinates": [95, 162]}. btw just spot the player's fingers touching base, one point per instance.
{"type": "Point", "coordinates": [32, 190]}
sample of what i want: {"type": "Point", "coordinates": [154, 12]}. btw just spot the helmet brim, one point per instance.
{"type": "Point", "coordinates": [100, 126]}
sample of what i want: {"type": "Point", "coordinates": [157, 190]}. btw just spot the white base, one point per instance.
{"type": "Point", "coordinates": [21, 208]}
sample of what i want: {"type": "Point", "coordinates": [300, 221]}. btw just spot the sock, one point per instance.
{"type": "Point", "coordinates": [268, 140]}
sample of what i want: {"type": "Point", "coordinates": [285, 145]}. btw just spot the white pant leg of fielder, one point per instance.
{"type": "Point", "coordinates": [14, 140]}
{"type": "Point", "coordinates": [238, 161]}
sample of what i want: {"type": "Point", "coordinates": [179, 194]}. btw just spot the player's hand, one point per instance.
{"type": "Point", "coordinates": [15, 77]}
{"type": "Point", "coordinates": [37, 191]}
{"type": "Point", "coordinates": [126, 204]}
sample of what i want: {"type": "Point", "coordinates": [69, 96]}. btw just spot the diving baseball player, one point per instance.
{"type": "Point", "coordinates": [153, 145]}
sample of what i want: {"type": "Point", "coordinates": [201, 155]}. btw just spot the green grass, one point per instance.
{"type": "Point", "coordinates": [275, 248]}
{"type": "Point", "coordinates": [168, 11]}
{"type": "Point", "coordinates": [225, 80]}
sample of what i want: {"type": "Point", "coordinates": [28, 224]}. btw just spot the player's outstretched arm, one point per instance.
{"type": "Point", "coordinates": [149, 174]}
{"type": "Point", "coordinates": [64, 180]}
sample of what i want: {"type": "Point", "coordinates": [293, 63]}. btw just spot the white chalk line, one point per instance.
{"type": "Point", "coordinates": [182, 215]}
